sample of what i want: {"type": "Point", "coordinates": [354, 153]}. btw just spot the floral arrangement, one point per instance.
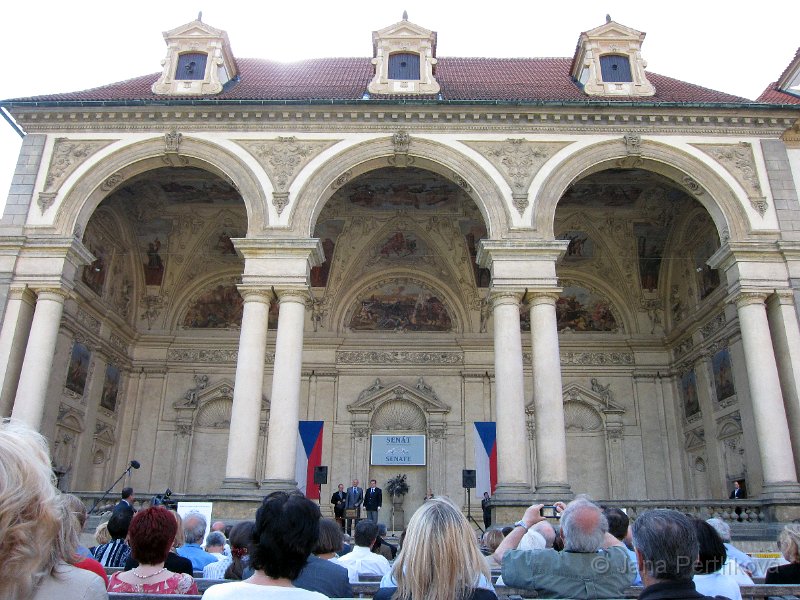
{"type": "Point", "coordinates": [397, 486]}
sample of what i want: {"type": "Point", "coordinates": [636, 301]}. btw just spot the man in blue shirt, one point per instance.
{"type": "Point", "coordinates": [194, 528]}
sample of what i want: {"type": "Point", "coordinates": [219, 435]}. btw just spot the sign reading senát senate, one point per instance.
{"type": "Point", "coordinates": [398, 450]}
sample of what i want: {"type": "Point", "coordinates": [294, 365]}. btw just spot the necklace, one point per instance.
{"type": "Point", "coordinates": [135, 574]}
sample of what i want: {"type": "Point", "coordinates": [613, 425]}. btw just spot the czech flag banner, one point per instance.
{"type": "Point", "coordinates": [485, 457]}
{"type": "Point", "coordinates": [309, 455]}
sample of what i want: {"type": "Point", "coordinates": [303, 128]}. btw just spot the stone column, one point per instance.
{"type": "Point", "coordinates": [512, 465]}
{"type": "Point", "coordinates": [285, 398]}
{"type": "Point", "coordinates": [782, 316]}
{"type": "Point", "coordinates": [36, 366]}
{"type": "Point", "coordinates": [240, 469]}
{"type": "Point", "coordinates": [548, 404]}
{"type": "Point", "coordinates": [13, 339]}
{"type": "Point", "coordinates": [780, 477]}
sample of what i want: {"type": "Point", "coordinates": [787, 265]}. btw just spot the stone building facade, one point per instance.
{"type": "Point", "coordinates": [601, 260]}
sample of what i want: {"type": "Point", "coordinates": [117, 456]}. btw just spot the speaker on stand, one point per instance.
{"type": "Point", "coordinates": [320, 479]}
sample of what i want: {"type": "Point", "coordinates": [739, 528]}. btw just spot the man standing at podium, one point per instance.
{"type": "Point", "coordinates": [373, 500]}
{"type": "Point", "coordinates": [352, 507]}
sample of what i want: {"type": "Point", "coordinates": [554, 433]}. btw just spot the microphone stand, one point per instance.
{"type": "Point", "coordinates": [108, 491]}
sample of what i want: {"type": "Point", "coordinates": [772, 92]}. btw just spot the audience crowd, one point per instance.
{"type": "Point", "coordinates": [290, 552]}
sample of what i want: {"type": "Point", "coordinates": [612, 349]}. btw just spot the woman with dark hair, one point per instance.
{"type": "Point", "coordinates": [330, 540]}
{"type": "Point", "coordinates": [709, 579]}
{"type": "Point", "coordinates": [151, 534]}
{"type": "Point", "coordinates": [286, 529]}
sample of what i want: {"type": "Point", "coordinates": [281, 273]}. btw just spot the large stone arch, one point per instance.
{"type": "Point", "coordinates": [100, 180]}
{"type": "Point", "coordinates": [697, 178]}
{"type": "Point", "coordinates": [383, 152]}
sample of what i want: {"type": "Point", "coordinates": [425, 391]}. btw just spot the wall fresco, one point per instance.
{"type": "Point", "coordinates": [578, 309]}
{"type": "Point", "coordinates": [78, 368]}
{"type": "Point", "coordinates": [400, 307]}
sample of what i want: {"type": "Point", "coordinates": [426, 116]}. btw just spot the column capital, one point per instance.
{"type": "Point", "coordinates": [747, 297]}
{"type": "Point", "coordinates": [500, 297]}
{"type": "Point", "coordinates": [539, 296]}
{"type": "Point", "coordinates": [251, 293]}
{"type": "Point", "coordinates": [783, 296]}
{"type": "Point", "coordinates": [21, 292]}
{"type": "Point", "coordinates": [57, 294]}
{"type": "Point", "coordinates": [292, 295]}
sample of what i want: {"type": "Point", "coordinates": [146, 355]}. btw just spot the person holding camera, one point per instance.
{"type": "Point", "coordinates": [594, 564]}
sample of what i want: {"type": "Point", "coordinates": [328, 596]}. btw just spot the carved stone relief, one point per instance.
{"type": "Point", "coordinates": [519, 161]}
{"type": "Point", "coordinates": [739, 161]}
{"type": "Point", "coordinates": [67, 156]}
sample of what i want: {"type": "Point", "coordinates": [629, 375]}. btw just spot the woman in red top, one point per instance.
{"type": "Point", "coordinates": [150, 537]}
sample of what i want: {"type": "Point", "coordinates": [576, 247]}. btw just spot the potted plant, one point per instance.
{"type": "Point", "coordinates": [397, 487]}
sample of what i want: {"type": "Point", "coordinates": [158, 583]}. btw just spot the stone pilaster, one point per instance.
{"type": "Point", "coordinates": [36, 366]}
{"type": "Point", "coordinates": [240, 469]}
{"type": "Point", "coordinates": [285, 397]}
{"type": "Point", "coordinates": [551, 438]}
{"type": "Point", "coordinates": [780, 477]}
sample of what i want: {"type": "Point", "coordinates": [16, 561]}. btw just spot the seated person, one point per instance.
{"type": "Point", "coordinates": [361, 560]}
{"type": "Point", "coordinates": [151, 534]}
{"type": "Point", "coordinates": [194, 528]}
{"type": "Point", "coordinates": [594, 564]}
{"type": "Point", "coordinates": [115, 552]}
{"type": "Point", "coordinates": [789, 543]}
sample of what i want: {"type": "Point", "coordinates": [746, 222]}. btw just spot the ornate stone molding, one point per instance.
{"type": "Point", "coordinates": [714, 325]}
{"type": "Point", "coordinates": [401, 142]}
{"type": "Point", "coordinates": [341, 180]}
{"type": "Point", "coordinates": [118, 343]}
{"type": "Point", "coordinates": [112, 181]}
{"type": "Point", "coordinates": [633, 150]}
{"type": "Point", "coordinates": [67, 156]}
{"type": "Point", "coordinates": [519, 161]}
{"type": "Point", "coordinates": [597, 358]}
{"type": "Point", "coordinates": [88, 321]}
{"type": "Point", "coordinates": [684, 347]}
{"type": "Point", "coordinates": [739, 161]}
{"type": "Point", "coordinates": [398, 357]}
{"type": "Point", "coordinates": [282, 159]}
{"type": "Point", "coordinates": [172, 142]}
{"type": "Point", "coordinates": [694, 187]}
{"type": "Point", "coordinates": [209, 355]}
{"type": "Point", "coordinates": [747, 298]}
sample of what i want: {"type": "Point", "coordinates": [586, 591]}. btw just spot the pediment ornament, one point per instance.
{"type": "Point", "coordinates": [420, 393]}
{"type": "Point", "coordinates": [739, 161]}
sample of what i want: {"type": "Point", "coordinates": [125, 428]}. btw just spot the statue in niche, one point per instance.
{"type": "Point", "coordinates": [604, 391]}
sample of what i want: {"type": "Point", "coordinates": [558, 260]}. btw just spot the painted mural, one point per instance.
{"type": "Point", "coordinates": [580, 245]}
{"type": "Point", "coordinates": [579, 309]}
{"type": "Point", "coordinates": [650, 243]}
{"type": "Point", "coordinates": [94, 274]}
{"type": "Point", "coordinates": [723, 374]}
{"type": "Point", "coordinates": [691, 402]}
{"type": "Point", "coordinates": [108, 399]}
{"type": "Point", "coordinates": [219, 307]}
{"type": "Point", "coordinates": [707, 278]}
{"type": "Point", "coordinates": [153, 236]}
{"type": "Point", "coordinates": [474, 231]}
{"type": "Point", "coordinates": [400, 306]}
{"type": "Point", "coordinates": [328, 233]}
{"type": "Point", "coordinates": [393, 188]}
{"type": "Point", "coordinates": [78, 369]}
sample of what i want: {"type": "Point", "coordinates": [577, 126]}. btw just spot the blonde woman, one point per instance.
{"type": "Point", "coordinates": [440, 559]}
{"type": "Point", "coordinates": [31, 513]}
{"type": "Point", "coordinates": [789, 542]}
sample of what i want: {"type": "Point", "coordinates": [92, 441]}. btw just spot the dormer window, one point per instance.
{"type": "Point", "coordinates": [199, 61]}
{"type": "Point", "coordinates": [404, 55]}
{"type": "Point", "coordinates": [615, 68]}
{"type": "Point", "coordinates": [191, 66]}
{"type": "Point", "coordinates": [608, 62]}
{"type": "Point", "coordinates": [404, 65]}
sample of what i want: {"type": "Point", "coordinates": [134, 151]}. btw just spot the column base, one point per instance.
{"type": "Point", "coordinates": [509, 502]}
{"type": "Point", "coordinates": [239, 483]}
{"type": "Point", "coordinates": [552, 491]}
{"type": "Point", "coordinates": [278, 485]}
{"type": "Point", "coordinates": [781, 491]}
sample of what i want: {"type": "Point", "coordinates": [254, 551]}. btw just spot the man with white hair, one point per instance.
{"type": "Point", "coordinates": [741, 559]}
{"type": "Point", "coordinates": [594, 563]}
{"type": "Point", "coordinates": [194, 528]}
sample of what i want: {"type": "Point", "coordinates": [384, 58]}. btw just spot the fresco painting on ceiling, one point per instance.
{"type": "Point", "coordinates": [94, 274]}
{"type": "Point", "coordinates": [327, 232]}
{"type": "Point", "coordinates": [220, 307]}
{"type": "Point", "coordinates": [401, 245]}
{"type": "Point", "coordinates": [691, 403]}
{"type": "Point", "coordinates": [600, 195]}
{"type": "Point", "coordinates": [196, 187]}
{"type": "Point", "coordinates": [578, 309]}
{"type": "Point", "coordinates": [580, 245]}
{"type": "Point", "coordinates": [406, 306]}
{"type": "Point", "coordinates": [707, 278]}
{"type": "Point", "coordinates": [78, 369]}
{"type": "Point", "coordinates": [225, 245]}
{"type": "Point", "coordinates": [474, 231]}
{"type": "Point", "coordinates": [108, 399]}
{"type": "Point", "coordinates": [153, 238]}
{"type": "Point", "coordinates": [723, 375]}
{"type": "Point", "coordinates": [394, 188]}
{"type": "Point", "coordinates": [650, 243]}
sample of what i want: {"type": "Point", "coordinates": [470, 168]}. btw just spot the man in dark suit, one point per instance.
{"type": "Point", "coordinates": [738, 492]}
{"type": "Point", "coordinates": [325, 577]}
{"type": "Point", "coordinates": [355, 497]}
{"type": "Point", "coordinates": [126, 503]}
{"type": "Point", "coordinates": [338, 500]}
{"type": "Point", "coordinates": [373, 500]}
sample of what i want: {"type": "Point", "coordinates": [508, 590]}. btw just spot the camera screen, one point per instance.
{"type": "Point", "coordinates": [548, 512]}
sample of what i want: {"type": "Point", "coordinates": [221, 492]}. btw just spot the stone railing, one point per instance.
{"type": "Point", "coordinates": [732, 511]}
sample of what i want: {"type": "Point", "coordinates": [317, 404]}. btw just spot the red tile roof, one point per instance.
{"type": "Point", "coordinates": [772, 95]}
{"type": "Point", "coordinates": [461, 79]}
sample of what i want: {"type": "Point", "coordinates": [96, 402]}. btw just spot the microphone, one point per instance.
{"type": "Point", "coordinates": [135, 464]}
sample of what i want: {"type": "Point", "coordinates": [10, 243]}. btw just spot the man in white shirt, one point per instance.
{"type": "Point", "coordinates": [362, 561]}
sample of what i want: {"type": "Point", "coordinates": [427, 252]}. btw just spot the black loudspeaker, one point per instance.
{"type": "Point", "coordinates": [320, 475]}
{"type": "Point", "coordinates": [468, 479]}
